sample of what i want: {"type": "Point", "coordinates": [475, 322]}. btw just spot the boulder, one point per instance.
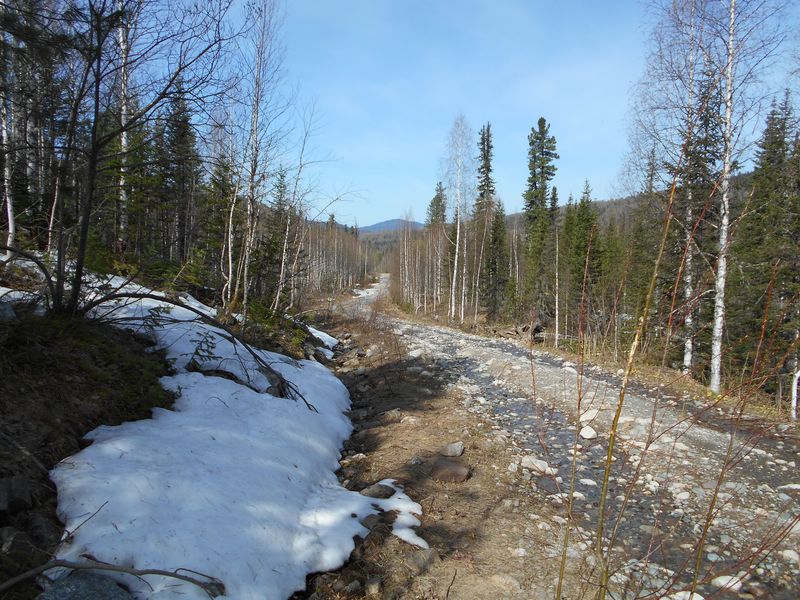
{"type": "Point", "coordinates": [371, 521]}
{"type": "Point", "coordinates": [372, 587]}
{"type": "Point", "coordinates": [449, 471]}
{"type": "Point", "coordinates": [727, 582]}
{"type": "Point", "coordinates": [378, 490]}
{"type": "Point", "coordinates": [537, 465]}
{"type": "Point", "coordinates": [454, 449]}
{"type": "Point", "coordinates": [320, 356]}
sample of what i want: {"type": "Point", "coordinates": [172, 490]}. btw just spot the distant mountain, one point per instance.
{"type": "Point", "coordinates": [391, 225]}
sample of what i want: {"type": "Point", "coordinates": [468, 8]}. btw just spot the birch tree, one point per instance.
{"type": "Point", "coordinates": [667, 113]}
{"type": "Point", "coordinates": [5, 143]}
{"type": "Point", "coordinates": [459, 169]}
{"type": "Point", "coordinates": [261, 137]}
{"type": "Point", "coordinates": [747, 36]}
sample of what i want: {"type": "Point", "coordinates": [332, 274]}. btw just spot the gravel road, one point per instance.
{"type": "Point", "coordinates": [666, 472]}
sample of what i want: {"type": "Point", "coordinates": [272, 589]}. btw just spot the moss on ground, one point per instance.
{"type": "Point", "coordinates": [59, 379]}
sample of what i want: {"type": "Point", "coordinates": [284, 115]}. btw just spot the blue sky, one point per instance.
{"type": "Point", "coordinates": [389, 77]}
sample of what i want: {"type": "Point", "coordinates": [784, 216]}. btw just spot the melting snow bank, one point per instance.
{"type": "Point", "coordinates": [233, 483]}
{"type": "Point", "coordinates": [329, 341]}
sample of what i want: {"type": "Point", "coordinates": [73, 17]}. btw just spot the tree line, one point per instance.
{"type": "Point", "coordinates": [725, 308]}
{"type": "Point", "coordinates": [156, 139]}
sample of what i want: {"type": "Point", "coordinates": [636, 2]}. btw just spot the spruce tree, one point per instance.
{"type": "Point", "coordinates": [482, 218]}
{"type": "Point", "coordinates": [765, 255]}
{"type": "Point", "coordinates": [495, 274]}
{"type": "Point", "coordinates": [693, 242]}
{"type": "Point", "coordinates": [486, 188]}
{"type": "Point", "coordinates": [213, 216]}
{"type": "Point", "coordinates": [437, 207]}
{"type": "Point", "coordinates": [582, 247]}
{"type": "Point", "coordinates": [182, 175]}
{"type": "Point", "coordinates": [541, 170]}
{"type": "Point", "coordinates": [270, 249]}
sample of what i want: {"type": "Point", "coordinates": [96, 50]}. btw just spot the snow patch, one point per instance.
{"type": "Point", "coordinates": [329, 341]}
{"type": "Point", "coordinates": [233, 483]}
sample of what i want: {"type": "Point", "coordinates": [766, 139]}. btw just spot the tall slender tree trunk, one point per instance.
{"type": "Point", "coordinates": [425, 273]}
{"type": "Point", "coordinates": [463, 279]}
{"type": "Point", "coordinates": [688, 275]}
{"type": "Point", "coordinates": [5, 144]}
{"type": "Point", "coordinates": [30, 147]}
{"type": "Point", "coordinates": [480, 263]}
{"type": "Point", "coordinates": [688, 325]}
{"type": "Point", "coordinates": [228, 270]}
{"type": "Point", "coordinates": [556, 332]}
{"type": "Point", "coordinates": [437, 294]}
{"type": "Point", "coordinates": [91, 164]}
{"type": "Point", "coordinates": [124, 48]}
{"type": "Point", "coordinates": [724, 225]}
{"type": "Point", "coordinates": [284, 255]}
{"type": "Point", "coordinates": [299, 238]}
{"type": "Point", "coordinates": [454, 282]}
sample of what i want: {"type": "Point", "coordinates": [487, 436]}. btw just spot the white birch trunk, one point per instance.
{"type": "Point", "coordinates": [124, 48]}
{"type": "Point", "coordinates": [722, 259]}
{"type": "Point", "coordinates": [688, 343]}
{"type": "Point", "coordinates": [463, 280]}
{"type": "Point", "coordinates": [688, 276]}
{"type": "Point", "coordinates": [5, 144]}
{"type": "Point", "coordinates": [556, 332]}
{"type": "Point", "coordinates": [454, 281]}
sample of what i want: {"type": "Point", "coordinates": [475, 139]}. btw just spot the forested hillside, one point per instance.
{"type": "Point", "coordinates": [706, 248]}
{"type": "Point", "coordinates": [157, 140]}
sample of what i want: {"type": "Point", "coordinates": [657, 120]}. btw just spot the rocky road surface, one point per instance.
{"type": "Point", "coordinates": [666, 485]}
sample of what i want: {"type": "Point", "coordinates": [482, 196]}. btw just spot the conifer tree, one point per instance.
{"type": "Point", "coordinates": [582, 242]}
{"type": "Point", "coordinates": [435, 225]}
{"type": "Point", "coordinates": [486, 188]}
{"type": "Point", "coordinates": [213, 216]}
{"type": "Point", "coordinates": [765, 277]}
{"type": "Point", "coordinates": [693, 243]}
{"type": "Point", "coordinates": [182, 175]}
{"type": "Point", "coordinates": [437, 207]}
{"type": "Point", "coordinates": [483, 213]}
{"type": "Point", "coordinates": [541, 170]}
{"type": "Point", "coordinates": [495, 275]}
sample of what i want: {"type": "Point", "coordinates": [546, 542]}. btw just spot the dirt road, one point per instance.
{"type": "Point", "coordinates": [678, 475]}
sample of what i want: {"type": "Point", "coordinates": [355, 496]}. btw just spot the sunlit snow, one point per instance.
{"type": "Point", "coordinates": [233, 483]}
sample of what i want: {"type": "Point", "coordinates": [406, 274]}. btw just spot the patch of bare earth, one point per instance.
{"type": "Point", "coordinates": [59, 379]}
{"type": "Point", "coordinates": [488, 536]}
